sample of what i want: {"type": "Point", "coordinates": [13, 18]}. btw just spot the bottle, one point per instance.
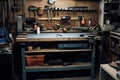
{"type": "Point", "coordinates": [89, 22]}
{"type": "Point", "coordinates": [38, 30]}
{"type": "Point", "coordinates": [83, 21]}
{"type": "Point", "coordinates": [35, 27]}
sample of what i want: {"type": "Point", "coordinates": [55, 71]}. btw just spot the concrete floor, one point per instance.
{"type": "Point", "coordinates": [74, 78]}
{"type": "Point", "coordinates": [62, 76]}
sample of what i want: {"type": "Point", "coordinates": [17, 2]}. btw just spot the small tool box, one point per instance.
{"type": "Point", "coordinates": [34, 60]}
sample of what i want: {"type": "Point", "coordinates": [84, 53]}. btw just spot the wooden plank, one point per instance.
{"type": "Point", "coordinates": [115, 33]}
{"type": "Point", "coordinates": [75, 66]}
{"type": "Point", "coordinates": [45, 19]}
{"type": "Point", "coordinates": [56, 50]}
{"type": "Point", "coordinates": [114, 36]}
{"type": "Point", "coordinates": [49, 39]}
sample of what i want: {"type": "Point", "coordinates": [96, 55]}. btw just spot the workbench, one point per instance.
{"type": "Point", "coordinates": [53, 37]}
{"type": "Point", "coordinates": [57, 38]}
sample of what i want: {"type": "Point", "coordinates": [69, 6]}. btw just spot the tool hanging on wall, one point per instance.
{"type": "Point", "coordinates": [51, 14]}
{"type": "Point", "coordinates": [54, 14]}
{"type": "Point", "coordinates": [33, 9]}
{"type": "Point", "coordinates": [51, 2]}
{"type": "Point", "coordinates": [32, 20]}
{"type": "Point", "coordinates": [48, 12]}
{"type": "Point", "coordinates": [83, 21]}
{"type": "Point", "coordinates": [58, 11]}
{"type": "Point", "coordinates": [40, 11]}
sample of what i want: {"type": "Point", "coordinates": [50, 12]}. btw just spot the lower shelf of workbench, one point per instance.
{"type": "Point", "coordinates": [46, 67]}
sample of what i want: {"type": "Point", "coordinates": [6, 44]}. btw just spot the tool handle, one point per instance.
{"type": "Point", "coordinates": [48, 15]}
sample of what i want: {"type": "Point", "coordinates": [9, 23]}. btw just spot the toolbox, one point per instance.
{"type": "Point", "coordinates": [73, 46]}
{"type": "Point", "coordinates": [34, 60]}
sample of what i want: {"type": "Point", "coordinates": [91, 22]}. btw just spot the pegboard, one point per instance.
{"type": "Point", "coordinates": [64, 4]}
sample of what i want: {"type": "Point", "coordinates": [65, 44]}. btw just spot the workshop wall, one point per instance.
{"type": "Point", "coordinates": [61, 4]}
{"type": "Point", "coordinates": [64, 4]}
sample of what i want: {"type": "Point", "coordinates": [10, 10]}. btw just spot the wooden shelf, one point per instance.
{"type": "Point", "coordinates": [55, 19]}
{"type": "Point", "coordinates": [113, 50]}
{"type": "Point", "coordinates": [116, 37]}
{"type": "Point", "coordinates": [56, 50]}
{"type": "Point", "coordinates": [46, 67]}
{"type": "Point", "coordinates": [115, 33]}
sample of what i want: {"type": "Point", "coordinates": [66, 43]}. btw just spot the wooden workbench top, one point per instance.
{"type": "Point", "coordinates": [42, 37]}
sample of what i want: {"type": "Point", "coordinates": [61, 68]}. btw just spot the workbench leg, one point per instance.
{"type": "Point", "coordinates": [100, 75]}
{"type": "Point", "coordinates": [23, 75]}
{"type": "Point", "coordinates": [93, 64]}
{"type": "Point", "coordinates": [23, 64]}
